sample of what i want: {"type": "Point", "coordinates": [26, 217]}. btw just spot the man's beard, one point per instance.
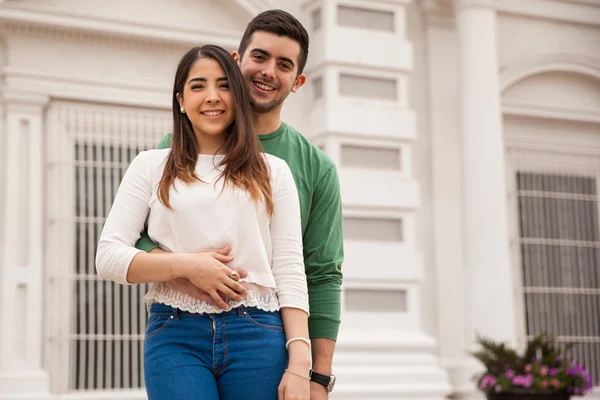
{"type": "Point", "coordinates": [264, 108]}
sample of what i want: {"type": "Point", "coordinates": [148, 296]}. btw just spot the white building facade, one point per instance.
{"type": "Point", "coordinates": [467, 139]}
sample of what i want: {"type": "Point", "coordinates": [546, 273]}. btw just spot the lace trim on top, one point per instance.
{"type": "Point", "coordinates": [170, 294]}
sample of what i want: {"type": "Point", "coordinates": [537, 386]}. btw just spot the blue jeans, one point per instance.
{"type": "Point", "coordinates": [239, 354]}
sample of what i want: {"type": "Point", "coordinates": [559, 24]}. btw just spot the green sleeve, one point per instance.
{"type": "Point", "coordinates": [323, 256]}
{"type": "Point", "coordinates": [144, 242]}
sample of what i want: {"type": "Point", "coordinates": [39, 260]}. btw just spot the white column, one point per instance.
{"type": "Point", "coordinates": [489, 286]}
{"type": "Point", "coordinates": [446, 175]}
{"type": "Point", "coordinates": [21, 273]}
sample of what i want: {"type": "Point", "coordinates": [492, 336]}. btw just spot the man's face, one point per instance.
{"type": "Point", "coordinates": [270, 68]}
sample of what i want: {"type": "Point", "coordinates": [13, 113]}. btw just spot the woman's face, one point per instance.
{"type": "Point", "coordinates": [206, 98]}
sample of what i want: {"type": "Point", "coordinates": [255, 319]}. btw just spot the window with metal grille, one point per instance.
{"type": "Point", "coordinates": [95, 330]}
{"type": "Point", "coordinates": [560, 258]}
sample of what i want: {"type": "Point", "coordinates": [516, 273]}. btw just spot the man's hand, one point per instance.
{"type": "Point", "coordinates": [318, 392]}
{"type": "Point", "coordinates": [185, 286]}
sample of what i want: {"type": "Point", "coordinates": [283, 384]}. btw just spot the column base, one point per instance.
{"type": "Point", "coordinates": [461, 373]}
{"type": "Point", "coordinates": [388, 366]}
{"type": "Point", "coordinates": [24, 384]}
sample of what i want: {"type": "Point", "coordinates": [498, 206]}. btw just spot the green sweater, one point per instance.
{"type": "Point", "coordinates": [321, 210]}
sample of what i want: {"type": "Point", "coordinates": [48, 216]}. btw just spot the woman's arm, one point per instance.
{"type": "Point", "coordinates": [288, 267]}
{"type": "Point", "coordinates": [292, 292]}
{"type": "Point", "coordinates": [117, 259]}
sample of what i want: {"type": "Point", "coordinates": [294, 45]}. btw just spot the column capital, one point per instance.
{"type": "Point", "coordinates": [438, 13]}
{"type": "Point", "coordinates": [462, 5]}
{"type": "Point", "coordinates": [26, 102]}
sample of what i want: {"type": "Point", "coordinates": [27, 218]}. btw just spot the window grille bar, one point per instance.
{"type": "Point", "coordinates": [552, 195]}
{"type": "Point", "coordinates": [97, 228]}
{"type": "Point", "coordinates": [560, 242]}
{"type": "Point", "coordinates": [98, 344]}
{"type": "Point", "coordinates": [91, 243]}
{"type": "Point", "coordinates": [81, 289]}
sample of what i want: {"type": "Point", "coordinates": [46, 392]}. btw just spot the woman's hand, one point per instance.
{"type": "Point", "coordinates": [208, 272]}
{"type": "Point", "coordinates": [295, 385]}
{"type": "Point", "coordinates": [184, 285]}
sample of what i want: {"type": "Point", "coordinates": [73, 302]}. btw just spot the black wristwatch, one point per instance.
{"type": "Point", "coordinates": [326, 380]}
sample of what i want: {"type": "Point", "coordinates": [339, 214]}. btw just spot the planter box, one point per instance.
{"type": "Point", "coordinates": [528, 396]}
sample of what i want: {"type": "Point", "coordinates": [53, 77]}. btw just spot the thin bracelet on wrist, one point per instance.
{"type": "Point", "coordinates": [297, 374]}
{"type": "Point", "coordinates": [295, 339]}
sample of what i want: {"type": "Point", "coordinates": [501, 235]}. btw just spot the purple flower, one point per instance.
{"type": "Point", "coordinates": [559, 357]}
{"type": "Point", "coordinates": [553, 372]}
{"type": "Point", "coordinates": [510, 374]}
{"type": "Point", "coordinates": [570, 390]}
{"type": "Point", "coordinates": [571, 371]}
{"type": "Point", "coordinates": [576, 370]}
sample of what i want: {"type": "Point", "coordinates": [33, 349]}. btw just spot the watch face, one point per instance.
{"type": "Point", "coordinates": [331, 384]}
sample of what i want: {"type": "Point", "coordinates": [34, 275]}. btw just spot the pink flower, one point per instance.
{"type": "Point", "coordinates": [528, 368]}
{"type": "Point", "coordinates": [510, 374]}
{"type": "Point", "coordinates": [544, 383]}
{"type": "Point", "coordinates": [555, 383]}
{"type": "Point", "coordinates": [487, 381]}
{"type": "Point", "coordinates": [544, 370]}
{"type": "Point", "coordinates": [524, 381]}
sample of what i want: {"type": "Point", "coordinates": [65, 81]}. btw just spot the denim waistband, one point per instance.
{"type": "Point", "coordinates": [163, 309]}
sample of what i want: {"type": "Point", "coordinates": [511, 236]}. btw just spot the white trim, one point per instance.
{"type": "Point", "coordinates": [63, 87]}
{"type": "Point", "coordinates": [559, 10]}
{"type": "Point", "coordinates": [438, 13]}
{"type": "Point", "coordinates": [460, 5]}
{"type": "Point", "coordinates": [254, 7]}
{"type": "Point", "coordinates": [529, 109]}
{"type": "Point", "coordinates": [514, 246]}
{"type": "Point", "coordinates": [308, 4]}
{"type": "Point", "coordinates": [564, 62]}
{"type": "Point", "coordinates": [46, 18]}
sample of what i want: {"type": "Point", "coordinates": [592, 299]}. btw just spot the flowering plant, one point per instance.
{"type": "Point", "coordinates": [542, 368]}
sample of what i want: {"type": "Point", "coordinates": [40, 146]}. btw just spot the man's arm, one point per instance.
{"type": "Point", "coordinates": [144, 243]}
{"type": "Point", "coordinates": [323, 256]}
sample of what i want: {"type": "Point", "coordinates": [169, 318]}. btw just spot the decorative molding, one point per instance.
{"type": "Point", "coordinates": [580, 12]}
{"type": "Point", "coordinates": [24, 102]}
{"type": "Point", "coordinates": [36, 76]}
{"type": "Point", "coordinates": [461, 5]}
{"type": "Point", "coordinates": [308, 4]}
{"type": "Point", "coordinates": [20, 21]}
{"type": "Point", "coordinates": [564, 147]}
{"type": "Point", "coordinates": [558, 62]}
{"type": "Point", "coordinates": [254, 7]}
{"type": "Point", "coordinates": [529, 109]}
{"type": "Point", "coordinates": [438, 13]}
{"type": "Point", "coordinates": [594, 3]}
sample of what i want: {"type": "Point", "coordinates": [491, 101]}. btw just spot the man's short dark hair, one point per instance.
{"type": "Point", "coordinates": [280, 23]}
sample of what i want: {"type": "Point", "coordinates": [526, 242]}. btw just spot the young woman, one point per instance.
{"type": "Point", "coordinates": [213, 189]}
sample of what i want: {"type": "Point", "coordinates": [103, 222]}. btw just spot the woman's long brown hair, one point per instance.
{"type": "Point", "coordinates": [243, 165]}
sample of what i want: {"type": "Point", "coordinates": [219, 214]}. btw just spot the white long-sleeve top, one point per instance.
{"type": "Point", "coordinates": [206, 215]}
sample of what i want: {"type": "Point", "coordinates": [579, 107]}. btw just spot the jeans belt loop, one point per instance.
{"type": "Point", "coordinates": [241, 310]}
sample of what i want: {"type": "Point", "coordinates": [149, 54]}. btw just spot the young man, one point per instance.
{"type": "Point", "coordinates": [272, 56]}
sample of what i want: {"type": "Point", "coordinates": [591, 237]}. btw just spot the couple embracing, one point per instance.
{"type": "Point", "coordinates": [241, 231]}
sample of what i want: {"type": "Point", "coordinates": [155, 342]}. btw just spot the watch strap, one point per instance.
{"type": "Point", "coordinates": [320, 378]}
